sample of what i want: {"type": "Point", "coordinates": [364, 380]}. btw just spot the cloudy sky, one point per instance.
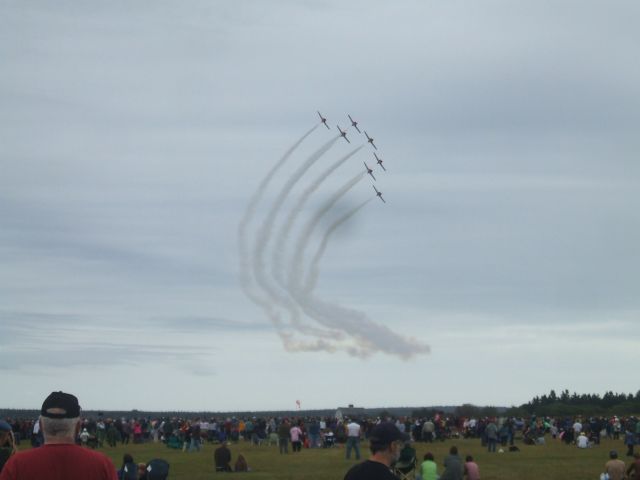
{"type": "Point", "coordinates": [158, 245]}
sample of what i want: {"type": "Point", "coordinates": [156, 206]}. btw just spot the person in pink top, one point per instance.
{"type": "Point", "coordinates": [296, 438]}
{"type": "Point", "coordinates": [471, 470]}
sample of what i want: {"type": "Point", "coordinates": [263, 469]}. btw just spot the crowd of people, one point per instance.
{"type": "Point", "coordinates": [320, 432]}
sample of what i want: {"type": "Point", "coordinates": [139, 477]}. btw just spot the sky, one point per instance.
{"type": "Point", "coordinates": [172, 237]}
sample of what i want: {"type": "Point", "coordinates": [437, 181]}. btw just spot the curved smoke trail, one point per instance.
{"type": "Point", "coordinates": [296, 267]}
{"type": "Point", "coordinates": [246, 280]}
{"type": "Point", "coordinates": [368, 335]}
{"type": "Point", "coordinates": [282, 236]}
{"type": "Point", "coordinates": [313, 271]}
{"type": "Point", "coordinates": [263, 238]}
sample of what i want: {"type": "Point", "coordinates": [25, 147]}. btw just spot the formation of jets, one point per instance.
{"type": "Point", "coordinates": [343, 134]}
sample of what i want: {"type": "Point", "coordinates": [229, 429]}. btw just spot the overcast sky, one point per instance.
{"type": "Point", "coordinates": [134, 140]}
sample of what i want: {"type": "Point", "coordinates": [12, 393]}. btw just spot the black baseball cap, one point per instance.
{"type": "Point", "coordinates": [60, 405]}
{"type": "Point", "coordinates": [386, 433]}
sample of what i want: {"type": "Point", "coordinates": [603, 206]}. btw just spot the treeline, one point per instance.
{"type": "Point", "coordinates": [580, 404]}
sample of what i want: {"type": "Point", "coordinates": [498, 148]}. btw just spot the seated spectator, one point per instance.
{"type": "Point", "coordinates": [582, 441]}
{"type": "Point", "coordinates": [633, 472]}
{"type": "Point", "coordinates": [471, 469]}
{"type": "Point", "coordinates": [614, 468]}
{"type": "Point", "coordinates": [241, 464]}
{"type": "Point", "coordinates": [142, 471]}
{"type": "Point", "coordinates": [222, 458]}
{"type": "Point", "coordinates": [453, 468]}
{"type": "Point", "coordinates": [428, 468]}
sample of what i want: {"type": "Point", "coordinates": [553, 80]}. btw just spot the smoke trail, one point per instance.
{"type": "Point", "coordinates": [263, 237]}
{"type": "Point", "coordinates": [243, 247]}
{"type": "Point", "coordinates": [368, 335]}
{"type": "Point", "coordinates": [296, 268]}
{"type": "Point", "coordinates": [312, 275]}
{"type": "Point", "coordinates": [281, 237]}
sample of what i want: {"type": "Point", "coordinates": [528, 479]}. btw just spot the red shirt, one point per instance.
{"type": "Point", "coordinates": [59, 462]}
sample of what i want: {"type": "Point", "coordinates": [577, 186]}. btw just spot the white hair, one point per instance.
{"type": "Point", "coordinates": [59, 427]}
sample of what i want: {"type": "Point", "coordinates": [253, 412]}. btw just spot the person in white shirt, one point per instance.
{"type": "Point", "coordinates": [582, 441]}
{"type": "Point", "coordinates": [353, 439]}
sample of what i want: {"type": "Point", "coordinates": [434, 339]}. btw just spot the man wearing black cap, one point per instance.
{"type": "Point", "coordinates": [385, 443]}
{"type": "Point", "coordinates": [60, 458]}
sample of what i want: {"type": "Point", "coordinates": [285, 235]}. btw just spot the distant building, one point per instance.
{"type": "Point", "coordinates": [350, 412]}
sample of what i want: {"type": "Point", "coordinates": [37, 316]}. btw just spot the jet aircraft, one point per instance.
{"type": "Point", "coordinates": [379, 161]}
{"type": "Point", "coordinates": [354, 124]}
{"type": "Point", "coordinates": [324, 120]}
{"type": "Point", "coordinates": [379, 194]}
{"type": "Point", "coordinates": [343, 133]}
{"type": "Point", "coordinates": [370, 140]}
{"type": "Point", "coordinates": [369, 171]}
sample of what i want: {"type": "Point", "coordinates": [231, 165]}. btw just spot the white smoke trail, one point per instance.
{"type": "Point", "coordinates": [282, 236]}
{"type": "Point", "coordinates": [243, 243]}
{"type": "Point", "coordinates": [313, 271]}
{"type": "Point", "coordinates": [368, 336]}
{"type": "Point", "coordinates": [263, 238]}
{"type": "Point", "coordinates": [296, 267]}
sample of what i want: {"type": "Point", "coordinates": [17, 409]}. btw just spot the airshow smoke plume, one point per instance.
{"type": "Point", "coordinates": [277, 274]}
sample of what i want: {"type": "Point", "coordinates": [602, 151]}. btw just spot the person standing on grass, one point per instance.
{"type": "Point", "coordinates": [491, 432]}
{"type": "Point", "coordinates": [296, 438]}
{"type": "Point", "coordinates": [283, 436]}
{"type": "Point", "coordinates": [353, 439]}
{"type": "Point", "coordinates": [629, 441]}
{"type": "Point", "coordinates": [60, 458]}
{"type": "Point", "coordinates": [385, 443]}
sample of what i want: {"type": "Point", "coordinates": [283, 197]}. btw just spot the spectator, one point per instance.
{"type": "Point", "coordinates": [582, 441]}
{"type": "Point", "coordinates": [353, 439]}
{"type": "Point", "coordinates": [491, 433]}
{"type": "Point", "coordinates": [428, 468]}
{"type": "Point", "coordinates": [241, 464]}
{"type": "Point", "coordinates": [471, 469]}
{"type": "Point", "coordinates": [283, 437]}
{"type": "Point", "coordinates": [614, 467]}
{"type": "Point", "coordinates": [222, 458]}
{"type": "Point", "coordinates": [385, 443]}
{"type": "Point", "coordinates": [296, 438]}
{"type": "Point", "coordinates": [629, 441]}
{"type": "Point", "coordinates": [453, 468]}
{"type": "Point", "coordinates": [7, 443]}
{"type": "Point", "coordinates": [633, 472]}
{"type": "Point", "coordinates": [60, 419]}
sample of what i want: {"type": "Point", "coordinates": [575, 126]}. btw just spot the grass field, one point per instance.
{"type": "Point", "coordinates": [553, 461]}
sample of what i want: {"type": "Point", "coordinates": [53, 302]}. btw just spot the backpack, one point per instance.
{"type": "Point", "coordinates": [157, 469]}
{"type": "Point", "coordinates": [129, 471]}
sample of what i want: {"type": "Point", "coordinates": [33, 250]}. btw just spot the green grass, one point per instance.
{"type": "Point", "coordinates": [550, 462]}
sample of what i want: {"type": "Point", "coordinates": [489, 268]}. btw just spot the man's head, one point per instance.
{"type": "Point", "coordinates": [613, 454]}
{"type": "Point", "coordinates": [60, 417]}
{"type": "Point", "coordinates": [387, 440]}
{"type": "Point", "coordinates": [60, 405]}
